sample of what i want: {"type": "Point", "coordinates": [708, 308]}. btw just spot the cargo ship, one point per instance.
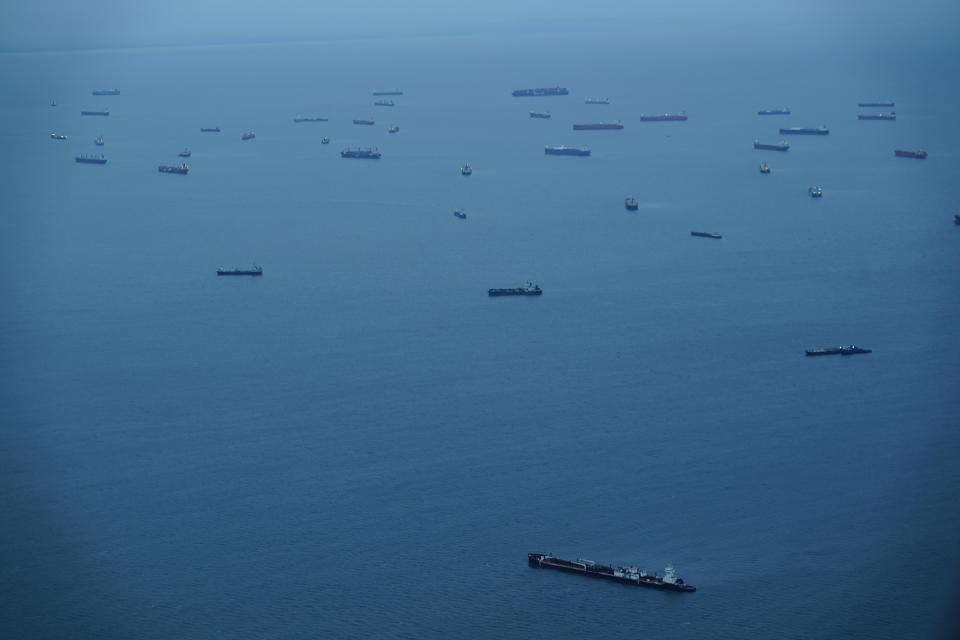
{"type": "Point", "coordinates": [774, 112]}
{"type": "Point", "coordinates": [877, 116]}
{"type": "Point", "coordinates": [956, 218]}
{"type": "Point", "coordinates": [847, 350]}
{"type": "Point", "coordinates": [597, 101]}
{"type": "Point", "coordinates": [364, 122]}
{"type": "Point", "coordinates": [388, 92]}
{"type": "Point", "coordinates": [775, 146]}
{"type": "Point", "coordinates": [393, 129]}
{"type": "Point", "coordinates": [98, 141]}
{"type": "Point", "coordinates": [182, 169]}
{"type": "Point", "coordinates": [460, 213]}
{"type": "Point", "coordinates": [324, 140]}
{"type": "Point", "coordinates": [466, 170]}
{"type": "Point", "coordinates": [626, 575]}
{"type": "Point", "coordinates": [255, 270]}
{"type": "Point", "coordinates": [815, 192]}
{"type": "Point", "coordinates": [631, 203]}
{"type": "Point", "coordinates": [529, 289]}
{"type": "Point", "coordinates": [666, 117]}
{"type": "Point", "coordinates": [185, 153]}
{"type": "Point", "coordinates": [539, 114]}
{"type": "Point", "coordinates": [95, 112]}
{"type": "Point", "coordinates": [209, 129]}
{"type": "Point", "coordinates": [542, 91]}
{"type": "Point", "coordinates": [805, 131]}
{"type": "Point", "coordinates": [566, 151]}
{"type": "Point", "coordinates": [876, 104]}
{"type": "Point", "coordinates": [309, 119]}
{"type": "Point", "coordinates": [58, 136]}
{"type": "Point", "coordinates": [920, 154]}
{"type": "Point", "coordinates": [106, 92]}
{"type": "Point", "coordinates": [706, 234]}
{"type": "Point", "coordinates": [383, 103]}
{"type": "Point", "coordinates": [598, 126]}
{"type": "Point", "coordinates": [91, 159]}
{"type": "Point", "coordinates": [764, 167]}
{"type": "Point", "coordinates": [369, 154]}
{"type": "Point", "coordinates": [248, 135]}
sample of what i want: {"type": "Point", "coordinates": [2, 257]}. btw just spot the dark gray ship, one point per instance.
{"type": "Point", "coordinates": [366, 154]}
{"type": "Point", "coordinates": [542, 91]}
{"type": "Point", "coordinates": [805, 131]}
{"type": "Point", "coordinates": [624, 575]}
{"type": "Point", "coordinates": [91, 159]}
{"type": "Point", "coordinates": [255, 270]}
{"type": "Point", "coordinates": [562, 150]}
{"type": "Point", "coordinates": [529, 289]}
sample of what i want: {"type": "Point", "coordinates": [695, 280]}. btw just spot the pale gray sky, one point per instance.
{"type": "Point", "coordinates": [66, 24]}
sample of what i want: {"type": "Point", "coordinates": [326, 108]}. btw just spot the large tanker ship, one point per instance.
{"type": "Point", "coordinates": [542, 91]}
{"type": "Point", "coordinates": [599, 125]}
{"type": "Point", "coordinates": [628, 575]}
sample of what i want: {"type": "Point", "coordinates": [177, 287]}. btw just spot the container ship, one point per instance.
{"type": "Point", "coordinates": [877, 116]}
{"type": "Point", "coordinates": [182, 169]}
{"type": "Point", "coordinates": [91, 159]}
{"type": "Point", "coordinates": [95, 112]}
{"type": "Point", "coordinates": [776, 146]}
{"type": "Point", "coordinates": [666, 117]}
{"type": "Point", "coordinates": [367, 154]}
{"type": "Point", "coordinates": [706, 234]}
{"type": "Point", "coordinates": [847, 350]}
{"type": "Point", "coordinates": [529, 289]}
{"type": "Point", "coordinates": [255, 270]}
{"type": "Point", "coordinates": [627, 575]}
{"type": "Point", "coordinates": [599, 125]}
{"type": "Point", "coordinates": [106, 92]}
{"type": "Point", "coordinates": [566, 151]}
{"type": "Point", "coordinates": [388, 92]}
{"type": "Point", "coordinates": [805, 131]}
{"type": "Point", "coordinates": [774, 112]}
{"type": "Point", "coordinates": [543, 91]}
{"type": "Point", "coordinates": [876, 104]}
{"type": "Point", "coordinates": [364, 122]}
{"type": "Point", "coordinates": [538, 114]}
{"type": "Point", "coordinates": [920, 154]}
{"type": "Point", "coordinates": [309, 119]}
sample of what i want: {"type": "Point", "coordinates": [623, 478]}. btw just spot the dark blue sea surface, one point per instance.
{"type": "Point", "coordinates": [362, 444]}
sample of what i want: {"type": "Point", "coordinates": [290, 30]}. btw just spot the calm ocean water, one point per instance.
{"type": "Point", "coordinates": [362, 444]}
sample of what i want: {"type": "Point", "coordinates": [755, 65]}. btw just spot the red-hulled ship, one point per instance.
{"type": "Point", "coordinates": [627, 575]}
{"type": "Point", "coordinates": [666, 117]}
{"type": "Point", "coordinates": [919, 154]}
{"type": "Point", "coordinates": [600, 125]}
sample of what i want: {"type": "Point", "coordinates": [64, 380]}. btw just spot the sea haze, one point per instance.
{"type": "Point", "coordinates": [360, 443]}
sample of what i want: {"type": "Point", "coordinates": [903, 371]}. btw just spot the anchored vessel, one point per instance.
{"type": "Point", "coordinates": [185, 153]}
{"type": "Point", "coordinates": [876, 104]}
{"type": "Point", "coordinates": [543, 91]}
{"type": "Point", "coordinates": [181, 169]}
{"type": "Point", "coordinates": [775, 146]}
{"type": "Point", "coordinates": [248, 135]}
{"type": "Point", "coordinates": [877, 116]}
{"type": "Point", "coordinates": [466, 170]}
{"type": "Point", "coordinates": [58, 136]}
{"type": "Point", "coordinates": [370, 154]}
{"type": "Point", "coordinates": [539, 114]}
{"type": "Point", "coordinates": [920, 154]}
{"type": "Point", "coordinates": [529, 289]}
{"type": "Point", "coordinates": [631, 204]}
{"type": "Point", "coordinates": [666, 117]}
{"type": "Point", "coordinates": [383, 103]}
{"type": "Point", "coordinates": [627, 575]}
{"type": "Point", "coordinates": [364, 122]}
{"type": "Point", "coordinates": [209, 129]}
{"type": "Point", "coordinates": [106, 92]}
{"type": "Point", "coordinates": [98, 141]}
{"type": "Point", "coordinates": [597, 101]}
{"type": "Point", "coordinates": [774, 112]}
{"type": "Point", "coordinates": [566, 151]}
{"type": "Point", "coordinates": [255, 270]}
{"type": "Point", "coordinates": [847, 350]}
{"type": "Point", "coordinates": [388, 92]}
{"type": "Point", "coordinates": [805, 131]}
{"type": "Point", "coordinates": [706, 234]}
{"type": "Point", "coordinates": [393, 129]}
{"type": "Point", "coordinates": [815, 192]}
{"type": "Point", "coordinates": [91, 159]}
{"type": "Point", "coordinates": [460, 213]}
{"type": "Point", "coordinates": [600, 125]}
{"type": "Point", "coordinates": [324, 140]}
{"type": "Point", "coordinates": [95, 112]}
{"type": "Point", "coordinates": [764, 167]}
{"type": "Point", "coordinates": [309, 119]}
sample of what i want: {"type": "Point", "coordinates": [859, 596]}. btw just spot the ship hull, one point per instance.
{"type": "Point", "coordinates": [878, 116]}
{"type": "Point", "coordinates": [566, 151]}
{"type": "Point", "coordinates": [919, 155]}
{"type": "Point", "coordinates": [238, 273]}
{"type": "Point", "coordinates": [82, 160]}
{"type": "Point", "coordinates": [663, 118]}
{"type": "Point", "coordinates": [804, 132]}
{"type": "Point", "coordinates": [706, 234]}
{"type": "Point", "coordinates": [597, 127]}
{"type": "Point", "coordinates": [876, 104]}
{"type": "Point", "coordinates": [94, 113]}
{"type": "Point", "coordinates": [513, 292]}
{"type": "Point", "coordinates": [771, 147]}
{"type": "Point", "coordinates": [543, 91]}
